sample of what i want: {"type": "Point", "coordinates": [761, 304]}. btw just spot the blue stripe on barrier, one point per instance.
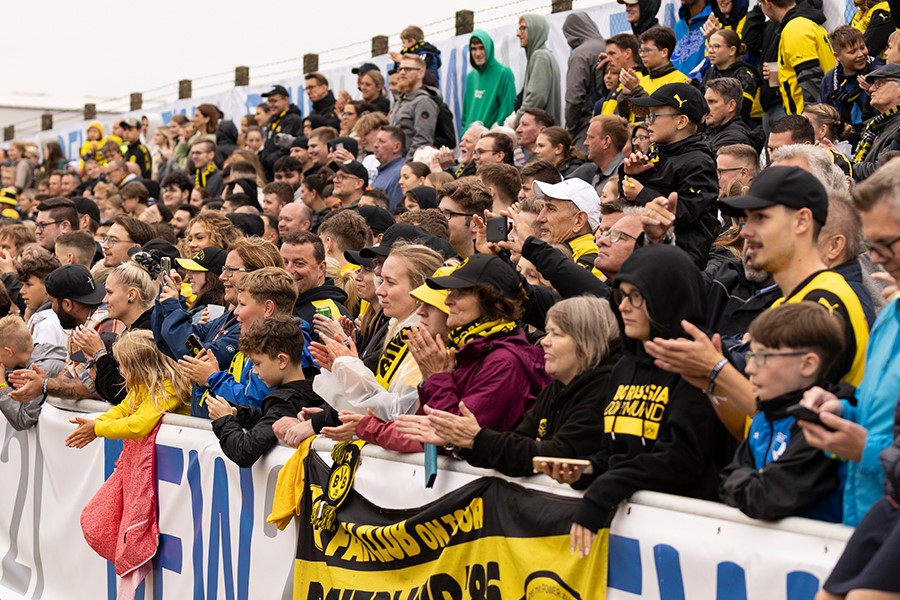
{"type": "Point", "coordinates": [802, 585]}
{"type": "Point", "coordinates": [731, 582]}
{"type": "Point", "coordinates": [668, 572]}
{"type": "Point", "coordinates": [625, 564]}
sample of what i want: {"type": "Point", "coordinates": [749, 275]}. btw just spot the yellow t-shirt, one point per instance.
{"type": "Point", "coordinates": [803, 43]}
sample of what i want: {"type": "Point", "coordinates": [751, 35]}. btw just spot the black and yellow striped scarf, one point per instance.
{"type": "Point", "coordinates": [394, 353]}
{"type": "Point", "coordinates": [201, 176]}
{"type": "Point", "coordinates": [872, 130]}
{"type": "Point", "coordinates": [461, 336]}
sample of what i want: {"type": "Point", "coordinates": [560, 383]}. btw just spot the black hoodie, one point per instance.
{"type": "Point", "coordinates": [648, 19]}
{"type": "Point", "coordinates": [226, 141]}
{"type": "Point", "coordinates": [660, 432]}
{"type": "Point", "coordinates": [324, 295]}
{"type": "Point", "coordinates": [290, 123]}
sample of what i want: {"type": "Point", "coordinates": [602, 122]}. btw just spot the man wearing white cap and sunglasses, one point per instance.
{"type": "Point", "coordinates": [570, 216]}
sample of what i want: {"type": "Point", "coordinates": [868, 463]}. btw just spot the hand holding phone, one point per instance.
{"type": "Point", "coordinates": [585, 466]}
{"type": "Point", "coordinates": [194, 345]}
{"type": "Point", "coordinates": [496, 229]}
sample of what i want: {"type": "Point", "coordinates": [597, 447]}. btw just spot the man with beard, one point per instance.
{"type": "Point", "coordinates": [786, 208]}
{"type": "Point", "coordinates": [417, 111]}
{"type": "Point", "coordinates": [77, 300]}
{"type": "Point", "coordinates": [182, 218]}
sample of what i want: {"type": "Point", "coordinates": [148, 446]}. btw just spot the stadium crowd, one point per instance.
{"type": "Point", "coordinates": [682, 271]}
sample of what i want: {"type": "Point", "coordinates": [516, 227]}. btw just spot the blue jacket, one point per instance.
{"type": "Point", "coordinates": [172, 325]}
{"type": "Point", "coordinates": [876, 396]}
{"type": "Point", "coordinates": [843, 92]}
{"type": "Point", "coordinates": [776, 474]}
{"type": "Point", "coordinates": [690, 51]}
{"type": "Point", "coordinates": [247, 388]}
{"type": "Point", "coordinates": [388, 180]}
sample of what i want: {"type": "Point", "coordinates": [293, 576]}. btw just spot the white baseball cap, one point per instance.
{"type": "Point", "coordinates": [577, 191]}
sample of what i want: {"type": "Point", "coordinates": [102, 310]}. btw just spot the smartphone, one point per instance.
{"type": "Point", "coordinates": [805, 414]}
{"type": "Point", "coordinates": [165, 264]}
{"type": "Point", "coordinates": [339, 146]}
{"type": "Point", "coordinates": [587, 467]}
{"type": "Point", "coordinates": [497, 229]}
{"type": "Point", "coordinates": [193, 344]}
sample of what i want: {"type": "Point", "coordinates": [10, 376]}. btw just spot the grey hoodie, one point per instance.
{"type": "Point", "coordinates": [582, 81]}
{"type": "Point", "coordinates": [416, 114]}
{"type": "Point", "coordinates": [541, 88]}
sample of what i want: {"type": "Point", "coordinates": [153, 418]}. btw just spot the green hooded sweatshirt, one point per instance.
{"type": "Point", "coordinates": [490, 89]}
{"type": "Point", "coordinates": [542, 79]}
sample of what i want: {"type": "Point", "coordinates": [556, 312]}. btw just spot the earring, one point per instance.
{"type": "Point", "coordinates": [130, 300]}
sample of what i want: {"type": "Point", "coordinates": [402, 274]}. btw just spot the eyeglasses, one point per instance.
{"type": "Point", "coordinates": [229, 271]}
{"type": "Point", "coordinates": [449, 214]}
{"type": "Point", "coordinates": [652, 117]}
{"type": "Point", "coordinates": [759, 358]}
{"type": "Point", "coordinates": [882, 249]}
{"type": "Point", "coordinates": [635, 298]}
{"type": "Point", "coordinates": [643, 50]}
{"type": "Point", "coordinates": [112, 241]}
{"type": "Point", "coordinates": [342, 176]}
{"type": "Point", "coordinates": [38, 226]}
{"type": "Point", "coordinates": [720, 171]}
{"type": "Point", "coordinates": [479, 152]}
{"type": "Point", "coordinates": [405, 69]}
{"type": "Point", "coordinates": [640, 138]}
{"type": "Point", "coordinates": [522, 28]}
{"type": "Point", "coordinates": [615, 236]}
{"type": "Point", "coordinates": [880, 82]}
{"type": "Point", "coordinates": [348, 114]}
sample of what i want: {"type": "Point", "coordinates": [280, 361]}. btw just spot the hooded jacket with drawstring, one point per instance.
{"type": "Point", "coordinates": [226, 141]}
{"type": "Point", "coordinates": [490, 88]}
{"type": "Point", "coordinates": [582, 81]}
{"type": "Point", "coordinates": [689, 56]}
{"type": "Point", "coordinates": [542, 77]}
{"type": "Point", "coordinates": [649, 9]}
{"type": "Point", "coordinates": [804, 55]}
{"type": "Point", "coordinates": [660, 432]}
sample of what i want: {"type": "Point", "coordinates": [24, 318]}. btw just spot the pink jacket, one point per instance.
{"type": "Point", "coordinates": [121, 522]}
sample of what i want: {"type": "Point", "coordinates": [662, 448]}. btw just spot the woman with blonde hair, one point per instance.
{"type": "Point", "coordinates": [131, 290]}
{"type": "Point", "coordinates": [210, 229]}
{"type": "Point", "coordinates": [345, 382]}
{"type": "Point", "coordinates": [252, 158]}
{"type": "Point", "coordinates": [163, 148]}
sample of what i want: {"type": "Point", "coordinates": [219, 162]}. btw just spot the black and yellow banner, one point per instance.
{"type": "Point", "coordinates": [488, 540]}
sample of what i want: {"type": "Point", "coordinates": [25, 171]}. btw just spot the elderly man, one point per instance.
{"type": "Point", "coordinates": [879, 132]}
{"type": "Point", "coordinates": [570, 215]}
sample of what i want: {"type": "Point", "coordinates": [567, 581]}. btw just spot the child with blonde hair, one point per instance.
{"type": "Point", "coordinates": [154, 384]}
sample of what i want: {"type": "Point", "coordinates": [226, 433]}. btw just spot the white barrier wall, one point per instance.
{"type": "Point", "coordinates": [608, 15]}
{"type": "Point", "coordinates": [216, 544]}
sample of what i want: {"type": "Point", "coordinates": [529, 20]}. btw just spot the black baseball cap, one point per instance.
{"type": "Point", "coordinates": [349, 144]}
{"type": "Point", "coordinates": [86, 206]}
{"type": "Point", "coordinates": [789, 186]}
{"type": "Point", "coordinates": [277, 90]}
{"type": "Point", "coordinates": [301, 141]}
{"type": "Point", "coordinates": [364, 68]}
{"type": "Point", "coordinates": [394, 233]}
{"type": "Point", "coordinates": [480, 269]}
{"type": "Point", "coordinates": [249, 224]}
{"type": "Point", "coordinates": [378, 219]}
{"type": "Point", "coordinates": [207, 259]}
{"type": "Point", "coordinates": [683, 97]}
{"type": "Point", "coordinates": [75, 283]}
{"type": "Point", "coordinates": [156, 248]}
{"type": "Point", "coordinates": [354, 168]}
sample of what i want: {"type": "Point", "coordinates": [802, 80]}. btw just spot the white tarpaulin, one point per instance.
{"type": "Point", "coordinates": [215, 542]}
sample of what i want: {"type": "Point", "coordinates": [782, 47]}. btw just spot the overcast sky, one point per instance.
{"type": "Point", "coordinates": [108, 50]}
